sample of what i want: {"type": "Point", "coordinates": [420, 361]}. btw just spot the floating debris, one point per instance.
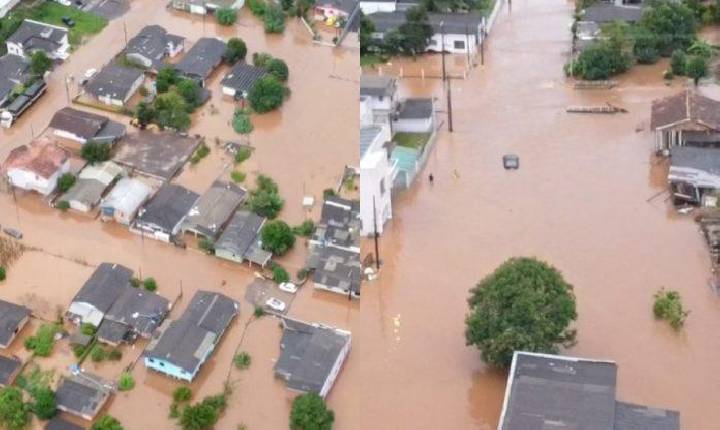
{"type": "Point", "coordinates": [595, 85]}
{"type": "Point", "coordinates": [606, 108]}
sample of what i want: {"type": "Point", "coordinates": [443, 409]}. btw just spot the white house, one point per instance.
{"type": "Point", "coordinates": [456, 33]}
{"type": "Point", "coordinates": [377, 174]}
{"type": "Point", "coordinates": [374, 6]}
{"type": "Point", "coordinates": [37, 166]}
{"type": "Point", "coordinates": [203, 7]}
{"type": "Point", "coordinates": [379, 93]}
{"type": "Point", "coordinates": [414, 115]}
{"type": "Point", "coordinates": [114, 85]}
{"type": "Point", "coordinates": [6, 6]}
{"type": "Point", "coordinates": [34, 36]}
{"type": "Point", "coordinates": [124, 201]}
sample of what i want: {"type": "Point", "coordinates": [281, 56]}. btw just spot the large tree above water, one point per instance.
{"type": "Point", "coordinates": [524, 305]}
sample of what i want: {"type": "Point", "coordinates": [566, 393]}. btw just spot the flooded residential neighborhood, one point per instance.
{"type": "Point", "coordinates": [331, 231]}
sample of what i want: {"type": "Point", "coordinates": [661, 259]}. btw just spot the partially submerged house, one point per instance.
{"type": "Point", "coordinates": [81, 127]}
{"type": "Point", "coordinates": [240, 240]}
{"type": "Point", "coordinates": [377, 175]}
{"type": "Point", "coordinates": [83, 395]}
{"type": "Point", "coordinates": [14, 74]}
{"type": "Point", "coordinates": [124, 200]}
{"type": "Point", "coordinates": [202, 59]}
{"type": "Point", "coordinates": [694, 175]}
{"type": "Point", "coordinates": [183, 346]}
{"type": "Point", "coordinates": [552, 391]}
{"type": "Point", "coordinates": [414, 115]}
{"type": "Point", "coordinates": [114, 85]}
{"type": "Point", "coordinates": [33, 36]}
{"type": "Point", "coordinates": [152, 46]}
{"type": "Point", "coordinates": [135, 313]}
{"type": "Point", "coordinates": [58, 423]}
{"type": "Point", "coordinates": [339, 225]}
{"type": "Point", "coordinates": [107, 283]}
{"type": "Point", "coordinates": [312, 356]}
{"type": "Point", "coordinates": [204, 7]}
{"type": "Point", "coordinates": [240, 79]}
{"type": "Point", "coordinates": [23, 100]}
{"type": "Point", "coordinates": [337, 271]}
{"type": "Point", "coordinates": [12, 320]}
{"type": "Point", "coordinates": [9, 369]}
{"type": "Point", "coordinates": [158, 155]}
{"type": "Point", "coordinates": [685, 116]}
{"type": "Point", "coordinates": [457, 33]}
{"type": "Point", "coordinates": [91, 184]}
{"type": "Point", "coordinates": [36, 166]}
{"type": "Point", "coordinates": [380, 94]}
{"type": "Point", "coordinates": [162, 217]}
{"type": "Point", "coordinates": [212, 211]}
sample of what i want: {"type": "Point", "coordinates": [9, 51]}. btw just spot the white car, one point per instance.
{"type": "Point", "coordinates": [288, 287]}
{"type": "Point", "coordinates": [90, 73]}
{"type": "Point", "coordinates": [275, 304]}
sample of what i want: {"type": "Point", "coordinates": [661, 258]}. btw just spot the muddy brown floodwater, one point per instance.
{"type": "Point", "coordinates": [579, 201]}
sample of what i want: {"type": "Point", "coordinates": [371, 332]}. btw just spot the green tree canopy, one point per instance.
{"type": "Point", "coordinates": [95, 152]}
{"type": "Point", "coordinates": [673, 23]}
{"type": "Point", "coordinates": [241, 122]}
{"type": "Point", "coordinates": [226, 16]}
{"type": "Point", "coordinates": [278, 68]}
{"type": "Point", "coordinates": [265, 199]}
{"type": "Point", "coordinates": [172, 111]}
{"type": "Point", "coordinates": [236, 50]}
{"type": "Point", "coordinates": [107, 422]}
{"type": "Point", "coordinates": [266, 94]}
{"type": "Point", "coordinates": [524, 305]}
{"type": "Point", "coordinates": [65, 182]}
{"type": "Point", "coordinates": [145, 114]}
{"type": "Point", "coordinates": [274, 19]}
{"type": "Point", "coordinates": [367, 28]}
{"type": "Point", "coordinates": [189, 90]}
{"type": "Point", "coordinates": [277, 237]}
{"type": "Point", "coordinates": [696, 68]}
{"type": "Point", "coordinates": [14, 413]}
{"type": "Point", "coordinates": [416, 31]}
{"type": "Point", "coordinates": [600, 60]}
{"type": "Point", "coordinates": [39, 63]}
{"type": "Point", "coordinates": [44, 404]}
{"type": "Point", "coordinates": [166, 78]}
{"type": "Point", "coordinates": [309, 412]}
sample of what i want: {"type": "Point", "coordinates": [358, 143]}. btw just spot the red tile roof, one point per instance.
{"type": "Point", "coordinates": [42, 157]}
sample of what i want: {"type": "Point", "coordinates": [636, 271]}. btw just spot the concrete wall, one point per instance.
{"type": "Point", "coordinates": [29, 181]}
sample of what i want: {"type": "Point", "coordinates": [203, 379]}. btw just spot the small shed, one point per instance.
{"type": "Point", "coordinates": [124, 201]}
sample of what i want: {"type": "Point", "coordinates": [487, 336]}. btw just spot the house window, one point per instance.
{"type": "Point", "coordinates": [382, 187]}
{"type": "Point", "coordinates": [459, 44]}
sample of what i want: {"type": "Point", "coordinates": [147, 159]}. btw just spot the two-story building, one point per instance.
{"type": "Point", "coordinates": [34, 36]}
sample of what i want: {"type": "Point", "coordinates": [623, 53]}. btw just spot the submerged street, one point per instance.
{"type": "Point", "coordinates": [581, 201]}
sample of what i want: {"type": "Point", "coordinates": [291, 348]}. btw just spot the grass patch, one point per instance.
{"type": "Point", "coordinates": [86, 24]}
{"type": "Point", "coordinates": [238, 176]}
{"type": "Point", "coordinates": [412, 140]}
{"type": "Point", "coordinates": [372, 60]}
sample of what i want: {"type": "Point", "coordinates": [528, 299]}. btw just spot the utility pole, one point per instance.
{"type": "Point", "coordinates": [376, 235]}
{"type": "Point", "coordinates": [446, 81]}
{"type": "Point", "coordinates": [482, 46]}
{"type": "Point", "coordinates": [67, 88]}
{"type": "Point", "coordinates": [125, 32]}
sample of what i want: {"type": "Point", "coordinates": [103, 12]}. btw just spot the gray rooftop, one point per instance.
{"type": "Point", "coordinates": [139, 310]}
{"type": "Point", "coordinates": [13, 70]}
{"type": "Point", "coordinates": [114, 81]}
{"type": "Point", "coordinates": [546, 391]}
{"type": "Point", "coordinates": [58, 423]}
{"type": "Point", "coordinates": [241, 233]}
{"type": "Point", "coordinates": [85, 124]}
{"type": "Point", "coordinates": [337, 268]}
{"type": "Point", "coordinates": [450, 23]}
{"type": "Point", "coordinates": [339, 223]}
{"type": "Point", "coordinates": [377, 86]}
{"type": "Point", "coordinates": [187, 341]}
{"type": "Point", "coordinates": [85, 191]}
{"type": "Point", "coordinates": [152, 42]}
{"type": "Point", "coordinates": [604, 13]}
{"type": "Point", "coordinates": [415, 108]}
{"type": "Point", "coordinates": [242, 76]}
{"type": "Point", "coordinates": [159, 155]}
{"type": "Point", "coordinates": [309, 353]}
{"type": "Point", "coordinates": [11, 317]}
{"type": "Point", "coordinates": [638, 417]}
{"type": "Point", "coordinates": [9, 367]}
{"type": "Point", "coordinates": [105, 286]}
{"type": "Point", "coordinates": [697, 166]}
{"type": "Point", "coordinates": [82, 395]}
{"type": "Point", "coordinates": [214, 208]}
{"type": "Point", "coordinates": [33, 35]}
{"type": "Point", "coordinates": [168, 207]}
{"type": "Point", "coordinates": [202, 58]}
